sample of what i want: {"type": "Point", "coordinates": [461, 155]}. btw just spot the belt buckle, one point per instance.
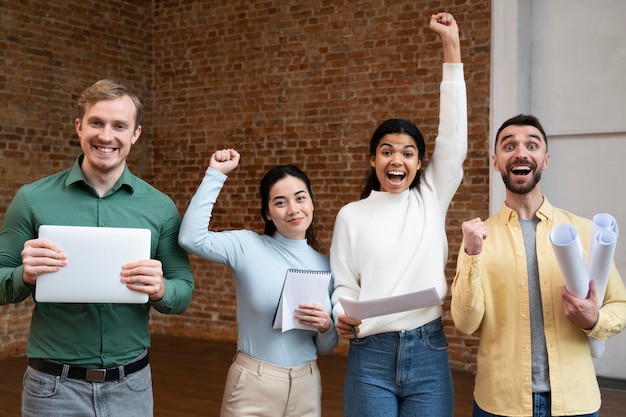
{"type": "Point", "coordinates": [95, 375]}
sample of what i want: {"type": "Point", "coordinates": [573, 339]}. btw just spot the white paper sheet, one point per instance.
{"type": "Point", "coordinates": [396, 304]}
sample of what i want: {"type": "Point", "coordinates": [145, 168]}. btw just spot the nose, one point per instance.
{"type": "Point", "coordinates": [396, 158]}
{"type": "Point", "coordinates": [520, 153]}
{"type": "Point", "coordinates": [106, 133]}
{"type": "Point", "coordinates": [293, 208]}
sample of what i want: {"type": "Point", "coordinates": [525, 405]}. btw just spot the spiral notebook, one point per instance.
{"type": "Point", "coordinates": [95, 256]}
{"type": "Point", "coordinates": [300, 286]}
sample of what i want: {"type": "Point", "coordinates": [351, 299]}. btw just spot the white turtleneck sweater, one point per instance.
{"type": "Point", "coordinates": [393, 244]}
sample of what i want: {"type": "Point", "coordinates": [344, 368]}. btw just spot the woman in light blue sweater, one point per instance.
{"type": "Point", "coordinates": [274, 373]}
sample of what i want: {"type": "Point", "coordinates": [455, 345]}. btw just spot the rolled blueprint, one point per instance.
{"type": "Point", "coordinates": [603, 242]}
{"type": "Point", "coordinates": [569, 255]}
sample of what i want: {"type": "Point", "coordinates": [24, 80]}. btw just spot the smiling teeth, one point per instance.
{"type": "Point", "coordinates": [396, 173]}
{"type": "Point", "coordinates": [106, 150]}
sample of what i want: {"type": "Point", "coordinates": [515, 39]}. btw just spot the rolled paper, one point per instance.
{"type": "Point", "coordinates": [569, 255]}
{"type": "Point", "coordinates": [601, 252]}
{"type": "Point", "coordinates": [596, 346]}
{"type": "Point", "coordinates": [600, 261]}
{"type": "Point", "coordinates": [576, 272]}
{"type": "Point", "coordinates": [601, 221]}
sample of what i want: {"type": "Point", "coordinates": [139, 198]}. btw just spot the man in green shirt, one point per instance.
{"type": "Point", "coordinates": [92, 359]}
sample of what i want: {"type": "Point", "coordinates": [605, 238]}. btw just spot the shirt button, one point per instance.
{"type": "Point", "coordinates": [520, 254]}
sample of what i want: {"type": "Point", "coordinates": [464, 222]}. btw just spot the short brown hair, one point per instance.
{"type": "Point", "coordinates": [522, 120]}
{"type": "Point", "coordinates": [107, 89]}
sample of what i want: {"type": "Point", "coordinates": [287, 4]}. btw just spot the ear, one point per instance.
{"type": "Point", "coordinates": [78, 125]}
{"type": "Point", "coordinates": [545, 161]}
{"type": "Point", "coordinates": [136, 134]}
{"type": "Point", "coordinates": [373, 161]}
{"type": "Point", "coordinates": [496, 166]}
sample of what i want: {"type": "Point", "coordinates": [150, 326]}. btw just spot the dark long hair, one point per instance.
{"type": "Point", "coordinates": [388, 127]}
{"type": "Point", "coordinates": [272, 177]}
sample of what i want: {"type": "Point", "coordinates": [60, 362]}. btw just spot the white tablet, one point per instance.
{"type": "Point", "coordinates": [95, 256]}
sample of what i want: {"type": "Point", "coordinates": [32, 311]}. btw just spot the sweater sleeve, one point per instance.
{"type": "Point", "coordinates": [194, 235]}
{"type": "Point", "coordinates": [445, 169]}
{"type": "Point", "coordinates": [327, 341]}
{"type": "Point", "coordinates": [345, 275]}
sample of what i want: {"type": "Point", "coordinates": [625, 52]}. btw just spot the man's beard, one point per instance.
{"type": "Point", "coordinates": [522, 188]}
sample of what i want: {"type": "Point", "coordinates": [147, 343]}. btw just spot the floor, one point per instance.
{"type": "Point", "coordinates": [189, 374]}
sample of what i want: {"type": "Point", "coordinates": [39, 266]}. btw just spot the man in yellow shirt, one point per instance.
{"type": "Point", "coordinates": [533, 357]}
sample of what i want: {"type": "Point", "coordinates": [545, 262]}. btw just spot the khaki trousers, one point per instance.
{"type": "Point", "coordinates": [255, 388]}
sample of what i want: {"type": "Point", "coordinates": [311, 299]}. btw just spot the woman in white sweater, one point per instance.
{"type": "Point", "coordinates": [393, 241]}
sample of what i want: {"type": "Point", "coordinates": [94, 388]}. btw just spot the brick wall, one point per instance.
{"type": "Point", "coordinates": [282, 82]}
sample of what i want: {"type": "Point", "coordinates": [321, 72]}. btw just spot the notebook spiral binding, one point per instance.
{"type": "Point", "coordinates": [307, 271]}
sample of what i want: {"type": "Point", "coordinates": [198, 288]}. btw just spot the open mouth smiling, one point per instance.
{"type": "Point", "coordinates": [105, 150]}
{"type": "Point", "coordinates": [395, 176]}
{"type": "Point", "coordinates": [521, 169]}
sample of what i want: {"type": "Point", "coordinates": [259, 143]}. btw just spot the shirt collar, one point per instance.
{"type": "Point", "coordinates": [75, 175]}
{"type": "Point", "coordinates": [545, 212]}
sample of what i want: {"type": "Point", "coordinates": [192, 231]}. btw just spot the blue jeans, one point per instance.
{"type": "Point", "coordinates": [541, 408]}
{"type": "Point", "coordinates": [46, 395]}
{"type": "Point", "coordinates": [399, 374]}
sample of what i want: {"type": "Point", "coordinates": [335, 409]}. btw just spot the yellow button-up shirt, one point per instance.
{"type": "Point", "coordinates": [490, 295]}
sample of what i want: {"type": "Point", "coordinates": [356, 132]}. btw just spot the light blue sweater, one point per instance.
{"type": "Point", "coordinates": [259, 264]}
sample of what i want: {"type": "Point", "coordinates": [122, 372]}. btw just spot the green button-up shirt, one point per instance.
{"type": "Point", "coordinates": [92, 335]}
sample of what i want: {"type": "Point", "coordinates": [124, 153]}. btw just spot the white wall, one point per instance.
{"type": "Point", "coordinates": [564, 61]}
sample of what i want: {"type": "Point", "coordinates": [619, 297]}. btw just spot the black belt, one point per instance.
{"type": "Point", "coordinates": [91, 375]}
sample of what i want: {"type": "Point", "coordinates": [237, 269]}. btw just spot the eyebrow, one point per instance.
{"type": "Point", "coordinates": [278, 197]}
{"type": "Point", "coordinates": [410, 145]}
{"type": "Point", "coordinates": [504, 138]}
{"type": "Point", "coordinates": [114, 122]}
